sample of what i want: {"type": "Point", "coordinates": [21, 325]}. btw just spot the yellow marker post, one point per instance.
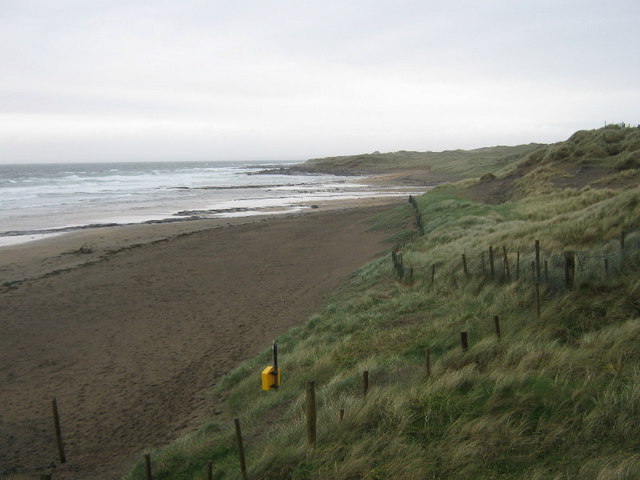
{"type": "Point", "coordinates": [270, 380]}
{"type": "Point", "coordinates": [271, 375]}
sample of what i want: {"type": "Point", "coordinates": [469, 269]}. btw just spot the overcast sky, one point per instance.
{"type": "Point", "coordinates": [110, 80]}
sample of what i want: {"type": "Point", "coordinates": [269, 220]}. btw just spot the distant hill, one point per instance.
{"type": "Point", "coordinates": [459, 163]}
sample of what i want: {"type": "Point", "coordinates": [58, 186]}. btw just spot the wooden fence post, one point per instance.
{"type": "Point", "coordinates": [606, 267]}
{"type": "Point", "coordinates": [463, 341]}
{"type": "Point", "coordinates": [147, 467]}
{"type": "Point", "coordinates": [210, 470]}
{"type": "Point", "coordinates": [569, 269]}
{"type": "Point", "coordinates": [243, 462]}
{"type": "Point", "coordinates": [311, 413]}
{"type": "Point", "coordinates": [491, 266]}
{"type": "Point", "coordinates": [464, 265]}
{"type": "Point", "coordinates": [496, 324]}
{"type": "Point", "coordinates": [538, 276]}
{"type": "Point", "coordinates": [341, 414]}
{"type": "Point", "coordinates": [56, 426]}
{"type": "Point", "coordinates": [427, 361]}
{"type": "Point", "coordinates": [365, 383]}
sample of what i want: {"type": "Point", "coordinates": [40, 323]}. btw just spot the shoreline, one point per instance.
{"type": "Point", "coordinates": [297, 207]}
{"type": "Point", "coordinates": [131, 336]}
{"type": "Point", "coordinates": [80, 246]}
{"type": "Point", "coordinates": [297, 198]}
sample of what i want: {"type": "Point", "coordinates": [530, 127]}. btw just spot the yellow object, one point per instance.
{"type": "Point", "coordinates": [269, 380]}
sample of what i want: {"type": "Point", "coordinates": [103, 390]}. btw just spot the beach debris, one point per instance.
{"type": "Point", "coordinates": [10, 283]}
{"type": "Point", "coordinates": [85, 249]}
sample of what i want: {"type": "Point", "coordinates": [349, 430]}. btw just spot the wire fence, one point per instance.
{"type": "Point", "coordinates": [556, 270]}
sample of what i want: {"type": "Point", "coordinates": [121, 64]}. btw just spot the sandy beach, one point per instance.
{"type": "Point", "coordinates": [130, 327]}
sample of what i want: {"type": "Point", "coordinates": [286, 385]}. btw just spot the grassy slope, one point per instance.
{"type": "Point", "coordinates": [557, 397]}
{"type": "Point", "coordinates": [460, 163]}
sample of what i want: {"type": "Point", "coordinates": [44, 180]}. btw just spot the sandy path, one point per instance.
{"type": "Point", "coordinates": [130, 344]}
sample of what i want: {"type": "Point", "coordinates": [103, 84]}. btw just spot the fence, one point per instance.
{"type": "Point", "coordinates": [554, 271]}
{"type": "Point", "coordinates": [537, 266]}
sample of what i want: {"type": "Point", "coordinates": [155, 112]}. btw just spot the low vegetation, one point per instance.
{"type": "Point", "coordinates": [555, 396]}
{"type": "Point", "coordinates": [455, 163]}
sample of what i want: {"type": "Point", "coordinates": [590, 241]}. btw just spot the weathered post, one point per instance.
{"type": "Point", "coordinates": [341, 414]}
{"type": "Point", "coordinates": [496, 324]}
{"type": "Point", "coordinates": [365, 383]}
{"type": "Point", "coordinates": [491, 265]}
{"type": "Point", "coordinates": [147, 467]}
{"type": "Point", "coordinates": [210, 470]}
{"type": "Point", "coordinates": [56, 426]}
{"type": "Point", "coordinates": [275, 356]}
{"type": "Point", "coordinates": [243, 462]}
{"type": "Point", "coordinates": [311, 413]}
{"type": "Point", "coordinates": [606, 267]}
{"type": "Point", "coordinates": [538, 276]}
{"type": "Point", "coordinates": [569, 269]}
{"type": "Point", "coordinates": [427, 361]}
{"type": "Point", "coordinates": [464, 265]}
{"type": "Point", "coordinates": [433, 273]}
{"type": "Point", "coordinates": [276, 372]}
{"type": "Point", "coordinates": [463, 341]}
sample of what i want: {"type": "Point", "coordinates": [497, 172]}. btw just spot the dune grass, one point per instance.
{"type": "Point", "coordinates": [459, 163]}
{"type": "Point", "coordinates": [556, 397]}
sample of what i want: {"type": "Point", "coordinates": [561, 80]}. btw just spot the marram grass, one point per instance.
{"type": "Point", "coordinates": [556, 397]}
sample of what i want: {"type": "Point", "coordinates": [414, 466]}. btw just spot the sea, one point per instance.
{"type": "Point", "coordinates": [42, 200]}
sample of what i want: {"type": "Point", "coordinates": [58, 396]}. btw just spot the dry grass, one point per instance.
{"type": "Point", "coordinates": [557, 397]}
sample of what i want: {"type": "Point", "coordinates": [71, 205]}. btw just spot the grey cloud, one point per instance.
{"type": "Point", "coordinates": [298, 79]}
